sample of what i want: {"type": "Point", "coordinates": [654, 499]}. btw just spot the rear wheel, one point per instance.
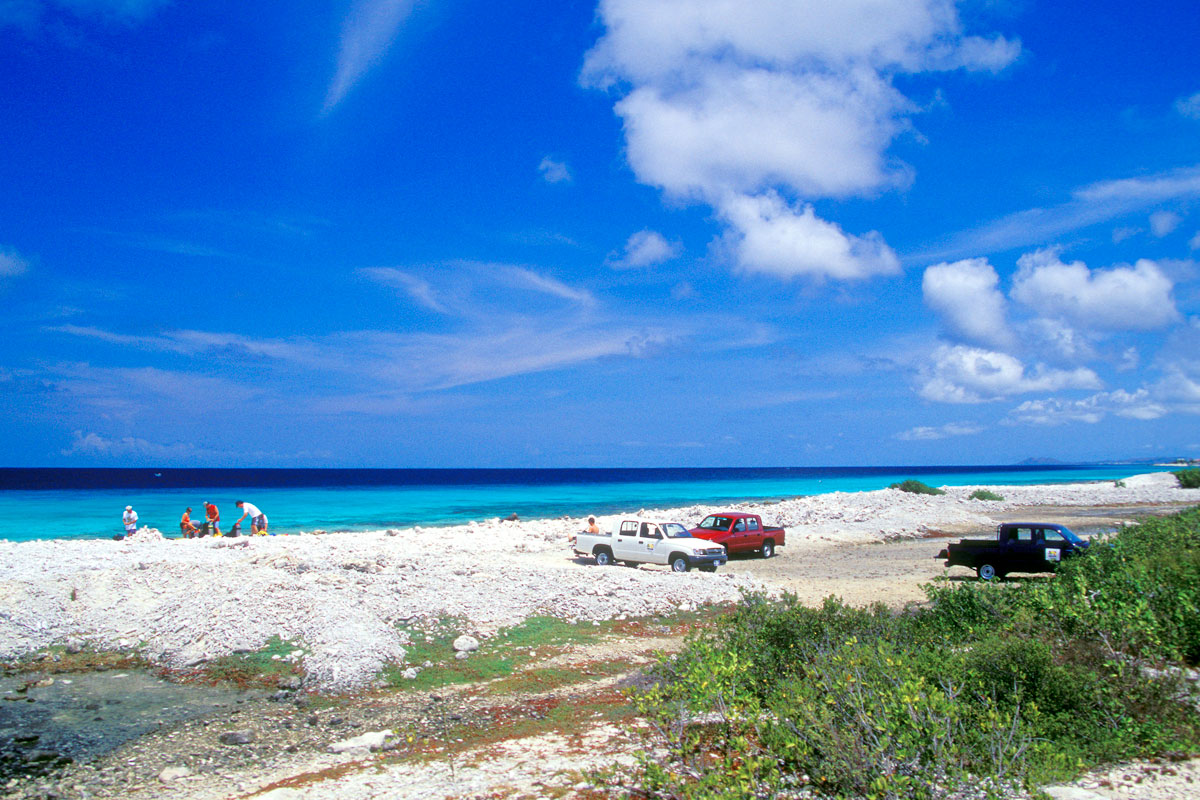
{"type": "Point", "coordinates": [986, 572]}
{"type": "Point", "coordinates": [603, 557]}
{"type": "Point", "coordinates": [768, 548]}
{"type": "Point", "coordinates": [679, 564]}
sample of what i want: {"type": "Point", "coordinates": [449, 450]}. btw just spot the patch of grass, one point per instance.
{"type": "Point", "coordinates": [257, 669]}
{"type": "Point", "coordinates": [506, 653]}
{"type": "Point", "coordinates": [984, 494]}
{"type": "Point", "coordinates": [1188, 478]}
{"type": "Point", "coordinates": [56, 660]}
{"type": "Point", "coordinates": [541, 679]}
{"type": "Point", "coordinates": [915, 487]}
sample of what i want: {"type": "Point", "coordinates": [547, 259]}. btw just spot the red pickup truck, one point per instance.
{"type": "Point", "coordinates": [740, 533]}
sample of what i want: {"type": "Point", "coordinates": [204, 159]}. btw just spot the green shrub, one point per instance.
{"type": "Point", "coordinates": [915, 487]}
{"type": "Point", "coordinates": [984, 685]}
{"type": "Point", "coordinates": [984, 494]}
{"type": "Point", "coordinates": [1188, 478]}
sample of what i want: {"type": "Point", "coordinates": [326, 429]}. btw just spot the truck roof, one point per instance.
{"type": "Point", "coordinates": [731, 514]}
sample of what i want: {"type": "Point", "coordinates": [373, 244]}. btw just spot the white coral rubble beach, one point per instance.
{"type": "Point", "coordinates": [345, 599]}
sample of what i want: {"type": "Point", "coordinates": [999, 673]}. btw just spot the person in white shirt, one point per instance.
{"type": "Point", "coordinates": [130, 519]}
{"type": "Point", "coordinates": [258, 520]}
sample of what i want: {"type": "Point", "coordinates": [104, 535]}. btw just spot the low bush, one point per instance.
{"type": "Point", "coordinates": [1188, 478]}
{"type": "Point", "coordinates": [986, 686]}
{"type": "Point", "coordinates": [984, 494]}
{"type": "Point", "coordinates": [915, 487]}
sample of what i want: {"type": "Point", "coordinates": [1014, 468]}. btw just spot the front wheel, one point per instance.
{"type": "Point", "coordinates": [768, 549]}
{"type": "Point", "coordinates": [603, 558]}
{"type": "Point", "coordinates": [986, 572]}
{"type": "Point", "coordinates": [679, 564]}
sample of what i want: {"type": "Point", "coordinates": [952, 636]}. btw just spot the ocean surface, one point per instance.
{"type": "Point", "coordinates": [50, 503]}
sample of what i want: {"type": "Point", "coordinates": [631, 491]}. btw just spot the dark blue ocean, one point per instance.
{"type": "Point", "coordinates": [50, 503]}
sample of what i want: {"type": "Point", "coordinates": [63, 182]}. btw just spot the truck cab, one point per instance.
{"type": "Point", "coordinates": [1018, 547]}
{"type": "Point", "coordinates": [634, 541]}
{"type": "Point", "coordinates": [740, 533]}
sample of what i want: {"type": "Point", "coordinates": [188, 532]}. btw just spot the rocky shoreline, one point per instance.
{"type": "Point", "coordinates": [330, 614]}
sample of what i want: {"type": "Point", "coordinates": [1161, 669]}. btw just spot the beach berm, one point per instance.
{"type": "Point", "coordinates": [342, 598]}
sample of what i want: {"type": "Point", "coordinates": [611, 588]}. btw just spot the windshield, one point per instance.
{"type": "Point", "coordinates": [1070, 536]}
{"type": "Point", "coordinates": [674, 530]}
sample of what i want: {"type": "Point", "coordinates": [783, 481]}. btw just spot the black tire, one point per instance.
{"type": "Point", "coordinates": [768, 548]}
{"type": "Point", "coordinates": [679, 563]}
{"type": "Point", "coordinates": [987, 572]}
{"type": "Point", "coordinates": [603, 557]}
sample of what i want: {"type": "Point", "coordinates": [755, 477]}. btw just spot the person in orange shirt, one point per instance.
{"type": "Point", "coordinates": [186, 527]}
{"type": "Point", "coordinates": [214, 519]}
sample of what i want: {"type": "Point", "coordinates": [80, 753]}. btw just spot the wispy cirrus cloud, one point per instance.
{"type": "Point", "coordinates": [1089, 205]}
{"type": "Point", "coordinates": [11, 263]}
{"type": "Point", "coordinates": [417, 288]}
{"type": "Point", "coordinates": [367, 34]}
{"type": "Point", "coordinates": [29, 14]}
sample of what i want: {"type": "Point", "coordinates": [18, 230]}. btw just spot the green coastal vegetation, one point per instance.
{"type": "Point", "coordinates": [987, 685]}
{"type": "Point", "coordinates": [915, 487]}
{"type": "Point", "coordinates": [1188, 478]}
{"type": "Point", "coordinates": [984, 494]}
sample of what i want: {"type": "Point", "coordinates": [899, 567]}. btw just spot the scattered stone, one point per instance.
{"type": "Point", "coordinates": [466, 643]}
{"type": "Point", "coordinates": [410, 673]}
{"type": "Point", "coordinates": [173, 774]}
{"type": "Point", "coordinates": [1072, 793]}
{"type": "Point", "coordinates": [238, 737]}
{"type": "Point", "coordinates": [372, 740]}
{"type": "Point", "coordinates": [462, 655]}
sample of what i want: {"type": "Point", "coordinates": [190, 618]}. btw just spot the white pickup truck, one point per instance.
{"type": "Point", "coordinates": [649, 541]}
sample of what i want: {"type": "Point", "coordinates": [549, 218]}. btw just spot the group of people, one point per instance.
{"type": "Point", "coordinates": [212, 521]}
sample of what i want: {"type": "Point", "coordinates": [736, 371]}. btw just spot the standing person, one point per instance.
{"type": "Point", "coordinates": [258, 520]}
{"type": "Point", "coordinates": [186, 527]}
{"type": "Point", "coordinates": [130, 519]}
{"type": "Point", "coordinates": [213, 518]}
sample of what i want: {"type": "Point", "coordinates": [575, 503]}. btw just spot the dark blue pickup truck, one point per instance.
{"type": "Point", "coordinates": [1018, 547]}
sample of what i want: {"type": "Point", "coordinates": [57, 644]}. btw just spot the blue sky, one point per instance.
{"type": "Point", "coordinates": [633, 232]}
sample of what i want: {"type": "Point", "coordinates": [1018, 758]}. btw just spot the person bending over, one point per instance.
{"type": "Point", "coordinates": [258, 520]}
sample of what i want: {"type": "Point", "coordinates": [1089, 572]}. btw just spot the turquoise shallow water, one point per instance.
{"type": "Point", "coordinates": [458, 496]}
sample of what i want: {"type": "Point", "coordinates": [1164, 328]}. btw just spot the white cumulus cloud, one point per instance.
{"type": "Point", "coordinates": [967, 296]}
{"type": "Point", "coordinates": [1164, 222]}
{"type": "Point", "coordinates": [644, 249]}
{"type": "Point", "coordinates": [554, 171]}
{"type": "Point", "coordinates": [928, 434]}
{"type": "Point", "coordinates": [1121, 298]}
{"type": "Point", "coordinates": [737, 105]}
{"type": "Point", "coordinates": [768, 235]}
{"type": "Point", "coordinates": [1091, 410]}
{"type": "Point", "coordinates": [961, 374]}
